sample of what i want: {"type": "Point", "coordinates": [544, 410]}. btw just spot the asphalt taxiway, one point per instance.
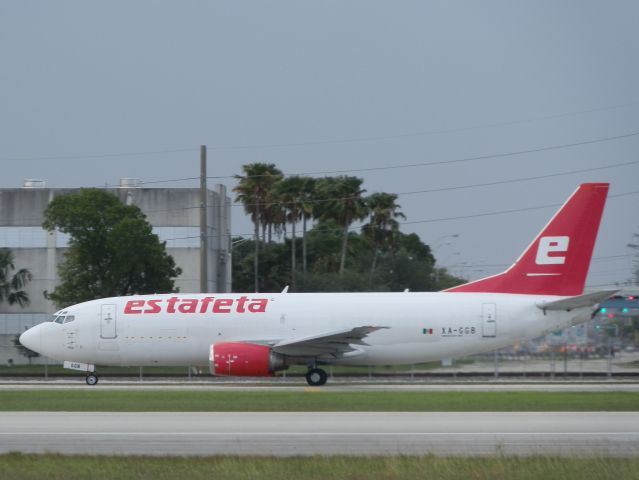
{"type": "Point", "coordinates": [313, 433]}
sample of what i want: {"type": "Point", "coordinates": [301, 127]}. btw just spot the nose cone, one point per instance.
{"type": "Point", "coordinates": [32, 339]}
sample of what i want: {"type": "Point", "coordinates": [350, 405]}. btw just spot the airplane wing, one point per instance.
{"type": "Point", "coordinates": [586, 300]}
{"type": "Point", "coordinates": [333, 344]}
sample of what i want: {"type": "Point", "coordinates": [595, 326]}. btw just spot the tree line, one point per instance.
{"type": "Point", "coordinates": [329, 254]}
{"type": "Point", "coordinates": [112, 250]}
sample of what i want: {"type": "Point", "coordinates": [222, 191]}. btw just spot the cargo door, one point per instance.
{"type": "Point", "coordinates": [489, 320]}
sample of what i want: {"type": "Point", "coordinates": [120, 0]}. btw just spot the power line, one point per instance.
{"type": "Point", "coordinates": [485, 214]}
{"type": "Point", "coordinates": [402, 166]}
{"type": "Point", "coordinates": [607, 272]}
{"type": "Point", "coordinates": [612, 257]}
{"type": "Point", "coordinates": [432, 220]}
{"type": "Point", "coordinates": [476, 215]}
{"type": "Point", "coordinates": [521, 179]}
{"type": "Point", "coordinates": [434, 190]}
{"type": "Point", "coordinates": [332, 141]}
{"type": "Point", "coordinates": [457, 160]}
{"type": "Point", "coordinates": [620, 285]}
{"type": "Point", "coordinates": [413, 192]}
{"type": "Point", "coordinates": [477, 266]}
{"type": "Point", "coordinates": [167, 181]}
{"type": "Point", "coordinates": [502, 212]}
{"type": "Point", "coordinates": [622, 194]}
{"type": "Point", "coordinates": [100, 155]}
{"type": "Point", "coordinates": [421, 133]}
{"type": "Point", "coordinates": [456, 187]}
{"type": "Point", "coordinates": [150, 182]}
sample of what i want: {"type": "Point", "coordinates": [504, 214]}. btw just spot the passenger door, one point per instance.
{"type": "Point", "coordinates": [489, 320]}
{"type": "Point", "coordinates": [108, 322]}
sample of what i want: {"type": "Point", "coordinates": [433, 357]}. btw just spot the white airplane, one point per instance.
{"type": "Point", "coordinates": [258, 334]}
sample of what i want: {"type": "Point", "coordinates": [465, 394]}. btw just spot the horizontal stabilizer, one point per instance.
{"type": "Point", "coordinates": [585, 300]}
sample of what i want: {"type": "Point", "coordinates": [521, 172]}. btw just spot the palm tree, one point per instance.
{"type": "Point", "coordinates": [274, 219]}
{"type": "Point", "coordinates": [383, 226]}
{"type": "Point", "coordinates": [341, 200]}
{"type": "Point", "coordinates": [307, 206]}
{"type": "Point", "coordinates": [290, 192]}
{"type": "Point", "coordinates": [11, 285]}
{"type": "Point", "coordinates": [253, 190]}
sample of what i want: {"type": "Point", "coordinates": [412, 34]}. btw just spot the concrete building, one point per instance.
{"type": "Point", "coordinates": [173, 212]}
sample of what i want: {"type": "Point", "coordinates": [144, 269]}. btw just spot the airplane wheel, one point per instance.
{"type": "Point", "coordinates": [316, 377]}
{"type": "Point", "coordinates": [92, 379]}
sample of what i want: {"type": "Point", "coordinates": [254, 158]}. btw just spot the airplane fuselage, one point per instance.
{"type": "Point", "coordinates": [179, 329]}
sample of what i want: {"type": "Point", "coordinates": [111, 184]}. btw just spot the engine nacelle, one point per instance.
{"type": "Point", "coordinates": [235, 359]}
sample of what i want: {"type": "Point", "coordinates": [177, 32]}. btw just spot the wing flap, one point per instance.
{"type": "Point", "coordinates": [334, 343]}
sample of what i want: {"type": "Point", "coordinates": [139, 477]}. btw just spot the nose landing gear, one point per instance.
{"type": "Point", "coordinates": [89, 368]}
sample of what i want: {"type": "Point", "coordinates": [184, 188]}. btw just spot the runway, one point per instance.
{"type": "Point", "coordinates": [288, 434]}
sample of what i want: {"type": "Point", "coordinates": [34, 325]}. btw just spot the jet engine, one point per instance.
{"type": "Point", "coordinates": [244, 360]}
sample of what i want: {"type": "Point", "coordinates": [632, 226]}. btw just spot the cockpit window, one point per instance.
{"type": "Point", "coordinates": [69, 318]}
{"type": "Point", "coordinates": [60, 316]}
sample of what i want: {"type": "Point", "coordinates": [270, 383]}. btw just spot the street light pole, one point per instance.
{"type": "Point", "coordinates": [204, 244]}
{"type": "Point", "coordinates": [441, 242]}
{"type": "Point", "coordinates": [611, 349]}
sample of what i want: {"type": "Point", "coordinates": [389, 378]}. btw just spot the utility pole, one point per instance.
{"type": "Point", "coordinates": [204, 244]}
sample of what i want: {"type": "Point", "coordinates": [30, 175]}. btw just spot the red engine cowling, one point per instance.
{"type": "Point", "coordinates": [235, 359]}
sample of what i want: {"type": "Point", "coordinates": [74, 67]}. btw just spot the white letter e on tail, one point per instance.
{"type": "Point", "coordinates": [551, 244]}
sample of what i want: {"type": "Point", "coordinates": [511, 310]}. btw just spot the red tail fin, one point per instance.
{"type": "Point", "coordinates": [557, 261]}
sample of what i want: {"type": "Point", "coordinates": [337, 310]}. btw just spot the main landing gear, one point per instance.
{"type": "Point", "coordinates": [92, 379]}
{"type": "Point", "coordinates": [316, 377]}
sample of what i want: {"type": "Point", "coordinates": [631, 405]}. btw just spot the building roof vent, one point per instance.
{"type": "Point", "coordinates": [33, 183]}
{"type": "Point", "coordinates": [130, 183]}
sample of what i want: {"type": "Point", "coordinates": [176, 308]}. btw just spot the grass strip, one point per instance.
{"type": "Point", "coordinates": [53, 467]}
{"type": "Point", "coordinates": [316, 400]}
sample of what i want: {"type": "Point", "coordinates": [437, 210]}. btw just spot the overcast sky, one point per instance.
{"type": "Point", "coordinates": [339, 85]}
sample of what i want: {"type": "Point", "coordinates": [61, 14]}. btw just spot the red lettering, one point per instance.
{"type": "Point", "coordinates": [240, 304]}
{"type": "Point", "coordinates": [205, 304]}
{"type": "Point", "coordinates": [171, 307]}
{"type": "Point", "coordinates": [134, 306]}
{"type": "Point", "coordinates": [258, 305]}
{"type": "Point", "coordinates": [222, 305]}
{"type": "Point", "coordinates": [152, 306]}
{"type": "Point", "coordinates": [188, 305]}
